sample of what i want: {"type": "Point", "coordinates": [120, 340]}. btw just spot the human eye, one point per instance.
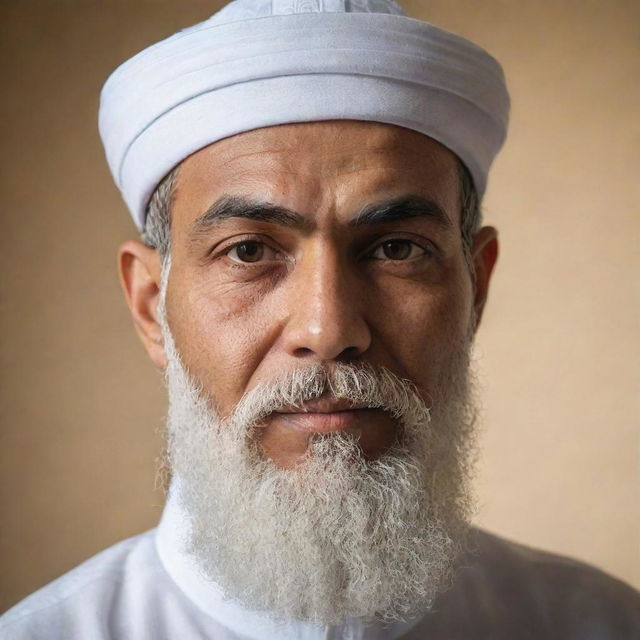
{"type": "Point", "coordinates": [399, 250]}
{"type": "Point", "coordinates": [250, 252]}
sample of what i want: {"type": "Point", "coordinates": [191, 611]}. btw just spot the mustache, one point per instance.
{"type": "Point", "coordinates": [364, 384]}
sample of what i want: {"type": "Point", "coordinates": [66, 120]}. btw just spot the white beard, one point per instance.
{"type": "Point", "coordinates": [340, 536]}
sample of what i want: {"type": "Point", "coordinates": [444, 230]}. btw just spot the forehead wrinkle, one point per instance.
{"type": "Point", "coordinates": [256, 153]}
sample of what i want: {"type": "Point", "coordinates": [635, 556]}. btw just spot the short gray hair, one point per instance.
{"type": "Point", "coordinates": [470, 210]}
{"type": "Point", "coordinates": [157, 228]}
{"type": "Point", "coordinates": [157, 225]}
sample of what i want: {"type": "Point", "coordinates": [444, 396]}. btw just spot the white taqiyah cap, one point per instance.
{"type": "Point", "coordinates": [258, 63]}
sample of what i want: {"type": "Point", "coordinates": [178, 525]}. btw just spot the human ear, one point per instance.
{"type": "Point", "coordinates": [484, 254]}
{"type": "Point", "coordinates": [140, 271]}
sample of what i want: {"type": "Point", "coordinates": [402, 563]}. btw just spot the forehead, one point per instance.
{"type": "Point", "coordinates": [307, 167]}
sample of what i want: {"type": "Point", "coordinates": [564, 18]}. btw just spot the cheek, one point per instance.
{"type": "Point", "coordinates": [422, 327]}
{"type": "Point", "coordinates": [221, 336]}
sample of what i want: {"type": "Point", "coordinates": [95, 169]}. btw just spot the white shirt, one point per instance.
{"type": "Point", "coordinates": [148, 588]}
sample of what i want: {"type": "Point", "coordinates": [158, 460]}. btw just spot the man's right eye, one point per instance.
{"type": "Point", "coordinates": [250, 251]}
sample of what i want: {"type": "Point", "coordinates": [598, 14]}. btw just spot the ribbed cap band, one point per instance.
{"type": "Point", "coordinates": [258, 63]}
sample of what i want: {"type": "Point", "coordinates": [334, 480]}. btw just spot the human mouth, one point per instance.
{"type": "Point", "coordinates": [308, 421]}
{"type": "Point", "coordinates": [324, 415]}
{"type": "Point", "coordinates": [323, 405]}
{"type": "Point", "coordinates": [289, 430]}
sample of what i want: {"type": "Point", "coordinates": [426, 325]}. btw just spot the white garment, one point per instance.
{"type": "Point", "coordinates": [146, 588]}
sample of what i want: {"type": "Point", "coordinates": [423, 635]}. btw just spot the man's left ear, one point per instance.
{"type": "Point", "coordinates": [484, 254]}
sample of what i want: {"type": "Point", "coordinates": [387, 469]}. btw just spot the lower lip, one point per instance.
{"type": "Point", "coordinates": [324, 422]}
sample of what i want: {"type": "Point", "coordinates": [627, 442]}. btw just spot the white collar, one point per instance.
{"type": "Point", "coordinates": [181, 566]}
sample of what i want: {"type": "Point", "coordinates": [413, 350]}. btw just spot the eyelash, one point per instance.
{"type": "Point", "coordinates": [426, 251]}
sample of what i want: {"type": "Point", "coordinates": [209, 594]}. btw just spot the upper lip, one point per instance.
{"type": "Point", "coordinates": [322, 405]}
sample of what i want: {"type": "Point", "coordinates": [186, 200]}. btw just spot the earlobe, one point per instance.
{"type": "Point", "coordinates": [140, 276]}
{"type": "Point", "coordinates": [484, 255]}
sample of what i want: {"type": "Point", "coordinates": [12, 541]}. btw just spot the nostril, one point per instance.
{"type": "Point", "coordinates": [349, 353]}
{"type": "Point", "coordinates": [303, 351]}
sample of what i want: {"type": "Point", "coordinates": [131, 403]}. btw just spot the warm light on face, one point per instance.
{"type": "Point", "coordinates": [322, 242]}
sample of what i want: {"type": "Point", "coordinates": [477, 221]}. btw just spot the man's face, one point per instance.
{"type": "Point", "coordinates": [317, 243]}
{"type": "Point", "coordinates": [315, 323]}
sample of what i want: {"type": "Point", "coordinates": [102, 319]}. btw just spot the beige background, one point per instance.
{"type": "Point", "coordinates": [558, 349]}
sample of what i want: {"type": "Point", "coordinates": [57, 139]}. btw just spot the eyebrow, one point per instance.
{"type": "Point", "coordinates": [402, 209]}
{"type": "Point", "coordinates": [372, 215]}
{"type": "Point", "coordinates": [240, 207]}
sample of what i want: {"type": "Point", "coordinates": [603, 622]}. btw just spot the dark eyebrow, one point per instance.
{"type": "Point", "coordinates": [401, 209]}
{"type": "Point", "coordinates": [375, 214]}
{"type": "Point", "coordinates": [240, 207]}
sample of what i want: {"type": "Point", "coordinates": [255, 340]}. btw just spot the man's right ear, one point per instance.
{"type": "Point", "coordinates": [140, 269]}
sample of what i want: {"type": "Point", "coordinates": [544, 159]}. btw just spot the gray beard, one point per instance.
{"type": "Point", "coordinates": [340, 536]}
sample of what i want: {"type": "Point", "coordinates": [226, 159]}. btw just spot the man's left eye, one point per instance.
{"type": "Point", "coordinates": [398, 249]}
{"type": "Point", "coordinates": [251, 251]}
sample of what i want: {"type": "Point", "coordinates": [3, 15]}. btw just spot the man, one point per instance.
{"type": "Point", "coordinates": [307, 178]}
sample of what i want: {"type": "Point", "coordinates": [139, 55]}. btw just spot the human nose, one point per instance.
{"type": "Point", "coordinates": [326, 320]}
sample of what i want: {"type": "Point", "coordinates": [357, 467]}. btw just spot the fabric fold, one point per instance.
{"type": "Point", "coordinates": [227, 75]}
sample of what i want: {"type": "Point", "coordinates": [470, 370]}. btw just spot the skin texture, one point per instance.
{"type": "Point", "coordinates": [324, 292]}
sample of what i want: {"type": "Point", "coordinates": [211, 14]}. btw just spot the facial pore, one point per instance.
{"type": "Point", "coordinates": [338, 536]}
